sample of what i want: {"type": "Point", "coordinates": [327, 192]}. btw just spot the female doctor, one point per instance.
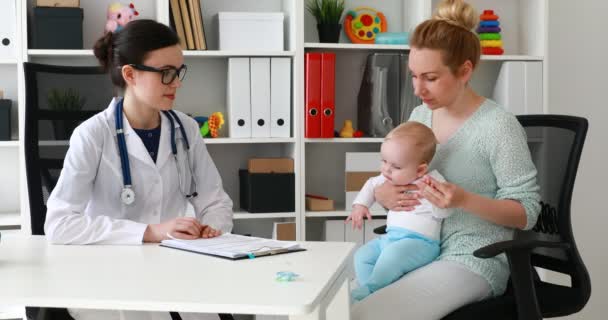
{"type": "Point", "coordinates": [131, 170]}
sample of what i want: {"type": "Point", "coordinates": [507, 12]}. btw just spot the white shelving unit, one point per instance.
{"type": "Point", "coordinates": [12, 312]}
{"type": "Point", "coordinates": [523, 25]}
{"type": "Point", "coordinates": [355, 46]}
{"type": "Point", "coordinates": [319, 163]}
{"type": "Point", "coordinates": [36, 53]}
{"type": "Point", "coordinates": [339, 213]}
{"type": "Point", "coordinates": [9, 144]}
{"type": "Point", "coordinates": [10, 219]}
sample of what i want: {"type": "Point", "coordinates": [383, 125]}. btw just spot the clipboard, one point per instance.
{"type": "Point", "coordinates": [234, 247]}
{"type": "Point", "coordinates": [249, 256]}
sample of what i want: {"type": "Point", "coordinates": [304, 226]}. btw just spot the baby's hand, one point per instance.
{"type": "Point", "coordinates": [357, 215]}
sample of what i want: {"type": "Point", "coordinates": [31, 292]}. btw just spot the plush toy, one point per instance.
{"type": "Point", "coordinates": [119, 15]}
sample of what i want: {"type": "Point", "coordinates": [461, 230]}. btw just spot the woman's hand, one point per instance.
{"type": "Point", "coordinates": [396, 198]}
{"type": "Point", "coordinates": [208, 232]}
{"type": "Point", "coordinates": [442, 194]}
{"type": "Point", "coordinates": [359, 212]}
{"type": "Point", "coordinates": [187, 228]}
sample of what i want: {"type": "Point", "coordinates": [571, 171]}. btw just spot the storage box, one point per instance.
{"type": "Point", "coordinates": [57, 28]}
{"type": "Point", "coordinates": [251, 31]}
{"type": "Point", "coordinates": [270, 165]}
{"type": "Point", "coordinates": [356, 180]}
{"type": "Point", "coordinates": [315, 204]}
{"type": "Point", "coordinates": [5, 119]}
{"type": "Point", "coordinates": [360, 166]}
{"type": "Point", "coordinates": [284, 231]}
{"type": "Point", "coordinates": [267, 192]}
{"type": "Point", "coordinates": [58, 3]}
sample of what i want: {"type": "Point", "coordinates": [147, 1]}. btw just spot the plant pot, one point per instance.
{"type": "Point", "coordinates": [63, 128]}
{"type": "Point", "coordinates": [329, 33]}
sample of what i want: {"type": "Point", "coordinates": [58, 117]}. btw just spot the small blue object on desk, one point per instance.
{"type": "Point", "coordinates": [392, 38]}
{"type": "Point", "coordinates": [286, 276]}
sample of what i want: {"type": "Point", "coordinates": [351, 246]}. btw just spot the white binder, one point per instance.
{"type": "Point", "coordinates": [260, 97]}
{"type": "Point", "coordinates": [8, 30]}
{"type": "Point", "coordinates": [519, 87]}
{"type": "Point", "coordinates": [238, 98]}
{"type": "Point", "coordinates": [280, 97]}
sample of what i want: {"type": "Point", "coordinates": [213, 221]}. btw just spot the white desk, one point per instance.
{"type": "Point", "coordinates": [153, 278]}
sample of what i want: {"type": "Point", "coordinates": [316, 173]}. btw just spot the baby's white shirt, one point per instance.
{"type": "Point", "coordinates": [424, 219]}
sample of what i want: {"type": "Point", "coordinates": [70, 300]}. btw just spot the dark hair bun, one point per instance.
{"type": "Point", "coordinates": [103, 51]}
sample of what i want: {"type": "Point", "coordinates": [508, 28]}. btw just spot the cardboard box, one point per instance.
{"type": "Point", "coordinates": [314, 204]}
{"type": "Point", "coordinates": [356, 180]}
{"type": "Point", "coordinates": [284, 231]}
{"type": "Point", "coordinates": [58, 3]}
{"type": "Point", "coordinates": [270, 165]}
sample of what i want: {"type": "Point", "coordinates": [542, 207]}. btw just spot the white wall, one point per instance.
{"type": "Point", "coordinates": [578, 71]}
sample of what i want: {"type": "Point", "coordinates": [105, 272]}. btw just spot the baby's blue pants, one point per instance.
{"type": "Point", "coordinates": [383, 260]}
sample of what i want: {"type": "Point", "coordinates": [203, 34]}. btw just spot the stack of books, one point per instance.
{"type": "Point", "coordinates": [187, 21]}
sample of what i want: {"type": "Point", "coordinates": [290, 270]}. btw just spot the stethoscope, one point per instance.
{"type": "Point", "coordinates": [127, 194]}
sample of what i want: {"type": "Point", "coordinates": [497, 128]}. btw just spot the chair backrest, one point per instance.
{"type": "Point", "coordinates": [556, 143]}
{"type": "Point", "coordinates": [58, 98]}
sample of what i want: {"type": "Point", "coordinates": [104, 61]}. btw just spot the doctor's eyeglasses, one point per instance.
{"type": "Point", "coordinates": [168, 74]}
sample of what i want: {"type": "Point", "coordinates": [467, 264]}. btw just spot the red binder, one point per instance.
{"type": "Point", "coordinates": [328, 95]}
{"type": "Point", "coordinates": [312, 94]}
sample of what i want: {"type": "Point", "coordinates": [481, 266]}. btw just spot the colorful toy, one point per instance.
{"type": "Point", "coordinates": [489, 33]}
{"type": "Point", "coordinates": [362, 24]}
{"type": "Point", "coordinates": [347, 130]}
{"type": "Point", "coordinates": [216, 121]}
{"type": "Point", "coordinates": [119, 15]}
{"type": "Point", "coordinates": [209, 127]}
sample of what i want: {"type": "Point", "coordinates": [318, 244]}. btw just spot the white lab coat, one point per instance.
{"type": "Point", "coordinates": [85, 206]}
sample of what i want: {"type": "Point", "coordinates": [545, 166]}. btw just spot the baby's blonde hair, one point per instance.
{"type": "Point", "coordinates": [418, 136]}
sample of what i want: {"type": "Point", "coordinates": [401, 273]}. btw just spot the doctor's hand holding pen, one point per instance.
{"type": "Point", "coordinates": [187, 228]}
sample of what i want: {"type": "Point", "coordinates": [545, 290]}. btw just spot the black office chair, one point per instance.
{"type": "Point", "coordinates": [556, 143]}
{"type": "Point", "coordinates": [58, 98]}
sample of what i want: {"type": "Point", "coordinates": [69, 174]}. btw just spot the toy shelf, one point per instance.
{"type": "Point", "coordinates": [354, 46]}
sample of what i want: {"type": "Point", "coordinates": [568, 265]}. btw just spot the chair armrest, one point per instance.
{"type": "Point", "coordinates": [515, 245]}
{"type": "Point", "coordinates": [518, 255]}
{"type": "Point", "coordinates": [380, 230]}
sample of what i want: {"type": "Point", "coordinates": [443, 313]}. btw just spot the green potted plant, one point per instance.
{"type": "Point", "coordinates": [328, 14]}
{"type": "Point", "coordinates": [65, 101]}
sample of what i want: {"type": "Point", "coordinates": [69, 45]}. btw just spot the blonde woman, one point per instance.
{"type": "Point", "coordinates": [482, 152]}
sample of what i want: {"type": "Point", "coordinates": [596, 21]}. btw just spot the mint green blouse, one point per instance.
{"type": "Point", "coordinates": [487, 155]}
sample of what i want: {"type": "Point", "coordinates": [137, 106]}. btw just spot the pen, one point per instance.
{"type": "Point", "coordinates": [268, 252]}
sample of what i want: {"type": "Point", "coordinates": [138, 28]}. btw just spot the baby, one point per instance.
{"type": "Point", "coordinates": [412, 238]}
